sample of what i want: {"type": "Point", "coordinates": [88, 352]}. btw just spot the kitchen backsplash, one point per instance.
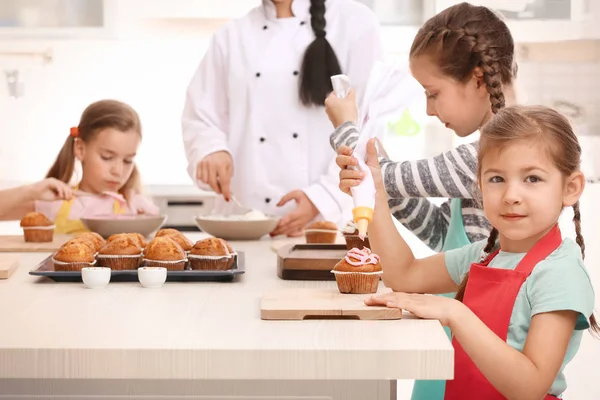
{"type": "Point", "coordinates": [152, 75]}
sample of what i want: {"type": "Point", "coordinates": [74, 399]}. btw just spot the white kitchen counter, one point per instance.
{"type": "Point", "coordinates": [201, 339]}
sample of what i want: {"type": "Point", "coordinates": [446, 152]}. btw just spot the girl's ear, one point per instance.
{"type": "Point", "coordinates": [477, 78]}
{"type": "Point", "coordinates": [573, 188]}
{"type": "Point", "coordinates": [79, 149]}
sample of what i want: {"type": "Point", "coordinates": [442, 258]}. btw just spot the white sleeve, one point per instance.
{"type": "Point", "coordinates": [325, 193]}
{"type": "Point", "coordinates": [205, 119]}
{"type": "Point", "coordinates": [366, 49]}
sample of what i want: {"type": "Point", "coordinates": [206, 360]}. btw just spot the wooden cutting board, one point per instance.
{"type": "Point", "coordinates": [8, 265]}
{"type": "Point", "coordinates": [277, 245]}
{"type": "Point", "coordinates": [300, 304]}
{"type": "Point", "coordinates": [309, 261]}
{"type": "Point", "coordinates": [16, 244]}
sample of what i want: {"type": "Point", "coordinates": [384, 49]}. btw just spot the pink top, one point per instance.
{"type": "Point", "coordinates": [96, 206]}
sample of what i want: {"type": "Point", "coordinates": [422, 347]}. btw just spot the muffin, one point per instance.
{"type": "Point", "coordinates": [182, 240]}
{"type": "Point", "coordinates": [324, 232]}
{"type": "Point", "coordinates": [358, 272]}
{"type": "Point", "coordinates": [85, 241]}
{"type": "Point", "coordinates": [211, 254]}
{"type": "Point", "coordinates": [120, 254]}
{"type": "Point", "coordinates": [73, 256]}
{"type": "Point", "coordinates": [165, 252]}
{"type": "Point", "coordinates": [96, 239]}
{"type": "Point", "coordinates": [166, 232]}
{"type": "Point", "coordinates": [137, 238]}
{"type": "Point", "coordinates": [37, 228]}
{"type": "Point", "coordinates": [350, 233]}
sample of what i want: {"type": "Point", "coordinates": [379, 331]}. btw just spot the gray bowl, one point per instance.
{"type": "Point", "coordinates": [109, 225]}
{"type": "Point", "coordinates": [236, 229]}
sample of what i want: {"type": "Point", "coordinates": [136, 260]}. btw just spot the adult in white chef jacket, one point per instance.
{"type": "Point", "coordinates": [254, 125]}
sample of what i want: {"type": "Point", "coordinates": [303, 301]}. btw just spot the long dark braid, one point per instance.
{"type": "Point", "coordinates": [320, 61]}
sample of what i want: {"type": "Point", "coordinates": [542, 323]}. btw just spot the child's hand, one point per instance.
{"type": "Point", "coordinates": [51, 189]}
{"type": "Point", "coordinates": [350, 178]}
{"type": "Point", "coordinates": [423, 306]}
{"type": "Point", "coordinates": [341, 110]}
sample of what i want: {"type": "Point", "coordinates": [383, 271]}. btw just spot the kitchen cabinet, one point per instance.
{"type": "Point", "coordinates": [534, 21]}
{"type": "Point", "coordinates": [52, 19]}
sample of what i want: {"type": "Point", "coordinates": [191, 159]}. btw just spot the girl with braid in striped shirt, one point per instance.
{"type": "Point", "coordinates": [464, 59]}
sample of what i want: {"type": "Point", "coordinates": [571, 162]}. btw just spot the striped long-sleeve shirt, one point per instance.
{"type": "Point", "coordinates": [409, 183]}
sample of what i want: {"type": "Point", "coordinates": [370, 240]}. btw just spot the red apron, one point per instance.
{"type": "Point", "coordinates": [491, 295]}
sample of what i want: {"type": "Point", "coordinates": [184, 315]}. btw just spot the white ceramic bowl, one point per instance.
{"type": "Point", "coordinates": [152, 277]}
{"type": "Point", "coordinates": [108, 225]}
{"type": "Point", "coordinates": [95, 277]}
{"type": "Point", "coordinates": [231, 229]}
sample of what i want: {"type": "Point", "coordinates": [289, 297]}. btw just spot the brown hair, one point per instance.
{"type": "Point", "coordinates": [464, 37]}
{"type": "Point", "coordinates": [553, 133]}
{"type": "Point", "coordinates": [96, 117]}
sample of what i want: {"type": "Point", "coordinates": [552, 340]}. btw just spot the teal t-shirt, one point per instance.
{"type": "Point", "coordinates": [560, 282]}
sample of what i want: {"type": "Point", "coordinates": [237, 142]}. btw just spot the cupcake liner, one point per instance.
{"type": "Point", "coordinates": [325, 236]}
{"type": "Point", "coordinates": [354, 241]}
{"type": "Point", "coordinates": [120, 262]}
{"type": "Point", "coordinates": [178, 265]}
{"type": "Point", "coordinates": [357, 282]}
{"type": "Point", "coordinates": [71, 266]}
{"type": "Point", "coordinates": [214, 263]}
{"type": "Point", "coordinates": [38, 234]}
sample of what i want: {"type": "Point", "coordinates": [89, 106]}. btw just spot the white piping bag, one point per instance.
{"type": "Point", "coordinates": [389, 92]}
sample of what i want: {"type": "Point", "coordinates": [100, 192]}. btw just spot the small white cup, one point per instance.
{"type": "Point", "coordinates": [152, 277]}
{"type": "Point", "coordinates": [95, 277]}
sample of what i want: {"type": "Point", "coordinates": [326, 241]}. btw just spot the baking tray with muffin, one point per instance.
{"type": "Point", "coordinates": [211, 259]}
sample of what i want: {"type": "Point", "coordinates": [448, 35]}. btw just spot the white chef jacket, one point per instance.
{"type": "Point", "coordinates": [243, 98]}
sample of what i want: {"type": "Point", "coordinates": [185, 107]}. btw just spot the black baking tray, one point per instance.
{"type": "Point", "coordinates": [46, 268]}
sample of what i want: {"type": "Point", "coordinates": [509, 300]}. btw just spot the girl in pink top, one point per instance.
{"type": "Point", "coordinates": [106, 142]}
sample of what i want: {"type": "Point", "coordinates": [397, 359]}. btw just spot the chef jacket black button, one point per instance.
{"type": "Point", "coordinates": [303, 22]}
{"type": "Point", "coordinates": [295, 72]}
{"type": "Point", "coordinates": [295, 135]}
{"type": "Point", "coordinates": [262, 139]}
{"type": "Point", "coordinates": [265, 28]}
{"type": "Point", "coordinates": [267, 200]}
{"type": "Point", "coordinates": [258, 74]}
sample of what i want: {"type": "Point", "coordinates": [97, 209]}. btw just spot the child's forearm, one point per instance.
{"type": "Point", "coordinates": [511, 372]}
{"type": "Point", "coordinates": [14, 203]}
{"type": "Point", "coordinates": [395, 254]}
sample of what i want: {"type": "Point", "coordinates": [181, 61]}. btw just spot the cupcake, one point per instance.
{"type": "Point", "coordinates": [166, 232]}
{"type": "Point", "coordinates": [37, 228]}
{"type": "Point", "coordinates": [211, 254]}
{"type": "Point", "coordinates": [95, 238]}
{"type": "Point", "coordinates": [358, 272]}
{"type": "Point", "coordinates": [182, 240]}
{"type": "Point", "coordinates": [137, 238]}
{"type": "Point", "coordinates": [74, 256]}
{"type": "Point", "coordinates": [350, 233]}
{"type": "Point", "coordinates": [165, 252]}
{"type": "Point", "coordinates": [120, 254]}
{"type": "Point", "coordinates": [84, 241]}
{"type": "Point", "coordinates": [324, 232]}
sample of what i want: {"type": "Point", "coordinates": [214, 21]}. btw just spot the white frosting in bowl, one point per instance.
{"type": "Point", "coordinates": [253, 215]}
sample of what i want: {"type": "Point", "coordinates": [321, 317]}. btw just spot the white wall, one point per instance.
{"type": "Point", "coordinates": [152, 75]}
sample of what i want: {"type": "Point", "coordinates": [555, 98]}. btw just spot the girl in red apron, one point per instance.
{"type": "Point", "coordinates": [105, 142]}
{"type": "Point", "coordinates": [523, 296]}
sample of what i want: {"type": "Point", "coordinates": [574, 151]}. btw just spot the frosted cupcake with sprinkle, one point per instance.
{"type": "Point", "coordinates": [358, 272]}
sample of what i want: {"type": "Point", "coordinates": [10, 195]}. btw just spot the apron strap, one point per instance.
{"type": "Point", "coordinates": [542, 249]}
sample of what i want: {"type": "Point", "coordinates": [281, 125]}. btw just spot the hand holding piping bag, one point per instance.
{"type": "Point", "coordinates": [388, 93]}
{"type": "Point", "coordinates": [364, 194]}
